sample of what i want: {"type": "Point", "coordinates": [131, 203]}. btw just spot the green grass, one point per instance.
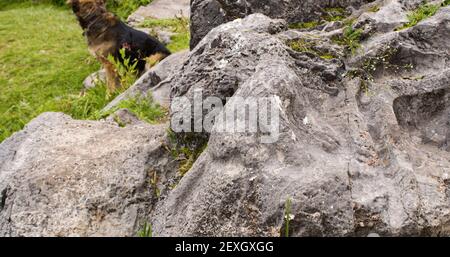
{"type": "Point", "coordinates": [179, 42]}
{"type": "Point", "coordinates": [89, 105]}
{"type": "Point", "coordinates": [122, 8]}
{"type": "Point", "coordinates": [146, 230]}
{"type": "Point", "coordinates": [43, 58]}
{"type": "Point", "coordinates": [191, 157]}
{"type": "Point", "coordinates": [374, 8]}
{"type": "Point", "coordinates": [186, 148]}
{"type": "Point", "coordinates": [86, 106]}
{"type": "Point", "coordinates": [179, 26]}
{"type": "Point", "coordinates": [143, 107]}
{"type": "Point", "coordinates": [304, 25]}
{"type": "Point", "coordinates": [43, 65]}
{"type": "Point", "coordinates": [13, 4]}
{"type": "Point", "coordinates": [175, 24]}
{"type": "Point", "coordinates": [303, 46]}
{"type": "Point", "coordinates": [422, 12]}
{"type": "Point", "coordinates": [334, 14]}
{"type": "Point", "coordinates": [350, 39]}
{"type": "Point", "coordinates": [329, 15]}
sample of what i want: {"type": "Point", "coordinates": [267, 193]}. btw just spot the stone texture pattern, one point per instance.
{"type": "Point", "coordinates": [61, 177]}
{"type": "Point", "coordinates": [363, 149]}
{"type": "Point", "coordinates": [367, 161]}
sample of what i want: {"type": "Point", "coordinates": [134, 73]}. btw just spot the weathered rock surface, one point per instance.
{"type": "Point", "coordinates": [61, 177]}
{"type": "Point", "coordinates": [207, 14]}
{"type": "Point", "coordinates": [357, 154]}
{"type": "Point", "coordinates": [160, 9]}
{"type": "Point", "coordinates": [363, 147]}
{"type": "Point", "coordinates": [123, 117]}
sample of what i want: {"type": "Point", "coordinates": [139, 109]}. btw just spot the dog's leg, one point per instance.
{"type": "Point", "coordinates": [112, 79]}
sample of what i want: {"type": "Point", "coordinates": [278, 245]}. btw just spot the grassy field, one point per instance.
{"type": "Point", "coordinates": [178, 26]}
{"type": "Point", "coordinates": [122, 8]}
{"type": "Point", "coordinates": [43, 62]}
{"type": "Point", "coordinates": [43, 58]}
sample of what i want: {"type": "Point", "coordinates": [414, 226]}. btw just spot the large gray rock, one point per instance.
{"type": "Point", "coordinates": [62, 177]}
{"type": "Point", "coordinates": [357, 155]}
{"type": "Point", "coordinates": [363, 146]}
{"type": "Point", "coordinates": [207, 14]}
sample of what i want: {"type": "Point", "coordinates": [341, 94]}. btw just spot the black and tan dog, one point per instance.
{"type": "Point", "coordinates": [106, 35]}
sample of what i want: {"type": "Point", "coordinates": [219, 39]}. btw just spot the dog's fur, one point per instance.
{"type": "Point", "coordinates": [106, 35]}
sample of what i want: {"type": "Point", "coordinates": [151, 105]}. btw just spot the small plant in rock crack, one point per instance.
{"type": "Point", "coordinates": [119, 121]}
{"type": "Point", "coordinates": [304, 46]}
{"type": "Point", "coordinates": [350, 39]}
{"type": "Point", "coordinates": [190, 156]}
{"type": "Point", "coordinates": [422, 12]}
{"type": "Point", "coordinates": [334, 14]}
{"type": "Point", "coordinates": [154, 184]}
{"type": "Point", "coordinates": [145, 231]}
{"type": "Point", "coordinates": [364, 86]}
{"type": "Point", "coordinates": [185, 148]}
{"type": "Point", "coordinates": [372, 64]}
{"type": "Point", "coordinates": [384, 60]}
{"type": "Point", "coordinates": [287, 216]}
{"type": "Point", "coordinates": [305, 25]}
{"type": "Point", "coordinates": [374, 8]}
